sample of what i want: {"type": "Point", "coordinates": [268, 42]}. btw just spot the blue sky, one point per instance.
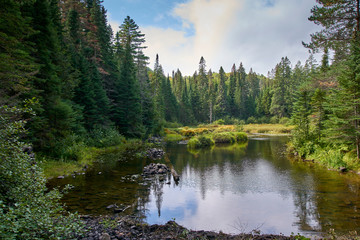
{"type": "Point", "coordinates": [255, 32]}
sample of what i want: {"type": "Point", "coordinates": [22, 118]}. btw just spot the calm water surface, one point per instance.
{"type": "Point", "coordinates": [232, 188]}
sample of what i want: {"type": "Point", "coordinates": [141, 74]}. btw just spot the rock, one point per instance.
{"type": "Point", "coordinates": [112, 206]}
{"type": "Point", "coordinates": [342, 169]}
{"type": "Point", "coordinates": [60, 177]}
{"type": "Point", "coordinates": [99, 173]}
{"type": "Point", "coordinates": [118, 210]}
{"type": "Point", "coordinates": [105, 236]}
{"type": "Point", "coordinates": [153, 168]}
{"type": "Point", "coordinates": [155, 153]}
{"type": "Point", "coordinates": [183, 142]}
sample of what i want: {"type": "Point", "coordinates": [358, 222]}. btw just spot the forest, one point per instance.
{"type": "Point", "coordinates": [68, 80]}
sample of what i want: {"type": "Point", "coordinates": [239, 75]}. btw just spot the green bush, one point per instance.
{"type": "Point", "coordinates": [219, 122]}
{"type": "Point", "coordinates": [223, 137]}
{"type": "Point", "coordinates": [104, 137]}
{"type": "Point", "coordinates": [263, 119]}
{"type": "Point", "coordinates": [274, 120]}
{"type": "Point", "coordinates": [240, 136]}
{"type": "Point", "coordinates": [251, 120]}
{"type": "Point", "coordinates": [284, 121]}
{"type": "Point", "coordinates": [173, 137]}
{"type": "Point", "coordinates": [200, 142]}
{"type": "Point", "coordinates": [27, 209]}
{"type": "Point", "coordinates": [172, 125]}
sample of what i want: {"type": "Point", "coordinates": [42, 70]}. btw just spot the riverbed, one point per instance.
{"type": "Point", "coordinates": [231, 188]}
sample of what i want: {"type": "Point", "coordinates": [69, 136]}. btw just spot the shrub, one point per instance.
{"type": "Point", "coordinates": [104, 137]}
{"type": "Point", "coordinates": [219, 122]}
{"type": "Point", "coordinates": [284, 120]}
{"type": "Point", "coordinates": [188, 133]}
{"type": "Point", "coordinates": [251, 120]}
{"type": "Point", "coordinates": [274, 120]}
{"type": "Point", "coordinates": [240, 136]}
{"type": "Point", "coordinates": [172, 125]}
{"type": "Point", "coordinates": [27, 209]}
{"type": "Point", "coordinates": [173, 137]}
{"type": "Point", "coordinates": [263, 119]}
{"type": "Point", "coordinates": [200, 142]}
{"type": "Point", "coordinates": [223, 137]}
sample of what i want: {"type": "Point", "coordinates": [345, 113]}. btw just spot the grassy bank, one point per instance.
{"type": "Point", "coordinates": [86, 156]}
{"type": "Point", "coordinates": [334, 157]}
{"type": "Point", "coordinates": [275, 129]}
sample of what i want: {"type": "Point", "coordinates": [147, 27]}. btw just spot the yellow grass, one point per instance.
{"type": "Point", "coordinates": [268, 128]}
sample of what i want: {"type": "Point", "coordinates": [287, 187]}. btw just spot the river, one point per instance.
{"type": "Point", "coordinates": [231, 188]}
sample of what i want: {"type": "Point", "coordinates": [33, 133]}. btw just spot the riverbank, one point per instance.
{"type": "Point", "coordinates": [107, 228]}
{"type": "Point", "coordinates": [88, 156]}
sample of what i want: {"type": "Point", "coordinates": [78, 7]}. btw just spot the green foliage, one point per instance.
{"type": "Point", "coordinates": [200, 142]}
{"type": "Point", "coordinates": [274, 120]}
{"type": "Point", "coordinates": [173, 137]}
{"type": "Point", "coordinates": [27, 209]}
{"type": "Point", "coordinates": [102, 137]}
{"type": "Point", "coordinates": [251, 120]}
{"type": "Point", "coordinates": [240, 136]}
{"type": "Point", "coordinates": [284, 121]}
{"type": "Point", "coordinates": [219, 122]}
{"type": "Point", "coordinates": [224, 137]}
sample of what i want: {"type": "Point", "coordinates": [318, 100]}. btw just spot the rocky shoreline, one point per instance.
{"type": "Point", "coordinates": [124, 228]}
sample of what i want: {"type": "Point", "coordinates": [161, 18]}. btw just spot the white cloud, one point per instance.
{"type": "Point", "coordinates": [232, 31]}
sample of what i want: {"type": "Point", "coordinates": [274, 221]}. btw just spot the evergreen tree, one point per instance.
{"type": "Point", "coordinates": [344, 119]}
{"type": "Point", "coordinates": [241, 92]}
{"type": "Point", "coordinates": [127, 108]}
{"type": "Point", "coordinates": [221, 108]}
{"type": "Point", "coordinates": [17, 67]}
{"type": "Point", "coordinates": [280, 105]}
{"type": "Point", "coordinates": [232, 89]}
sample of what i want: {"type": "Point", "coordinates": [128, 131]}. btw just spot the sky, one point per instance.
{"type": "Point", "coordinates": [255, 32]}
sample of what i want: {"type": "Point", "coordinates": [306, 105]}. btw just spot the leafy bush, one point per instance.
{"type": "Point", "coordinates": [27, 209]}
{"type": "Point", "coordinates": [173, 137]}
{"type": "Point", "coordinates": [69, 148]}
{"type": "Point", "coordinates": [219, 122]}
{"type": "Point", "coordinates": [251, 120]}
{"type": "Point", "coordinates": [200, 142]}
{"type": "Point", "coordinates": [263, 119]}
{"type": "Point", "coordinates": [172, 125]}
{"type": "Point", "coordinates": [105, 137]}
{"type": "Point", "coordinates": [274, 120]}
{"type": "Point", "coordinates": [240, 136]}
{"type": "Point", "coordinates": [284, 121]}
{"type": "Point", "coordinates": [223, 137]}
{"type": "Point", "coordinates": [188, 133]}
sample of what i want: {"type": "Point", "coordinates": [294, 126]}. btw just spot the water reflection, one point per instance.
{"type": "Point", "coordinates": [230, 188]}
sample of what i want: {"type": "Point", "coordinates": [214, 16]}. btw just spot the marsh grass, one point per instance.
{"type": "Point", "coordinates": [268, 128]}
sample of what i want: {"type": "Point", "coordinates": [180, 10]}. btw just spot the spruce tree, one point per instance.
{"type": "Point", "coordinates": [221, 108]}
